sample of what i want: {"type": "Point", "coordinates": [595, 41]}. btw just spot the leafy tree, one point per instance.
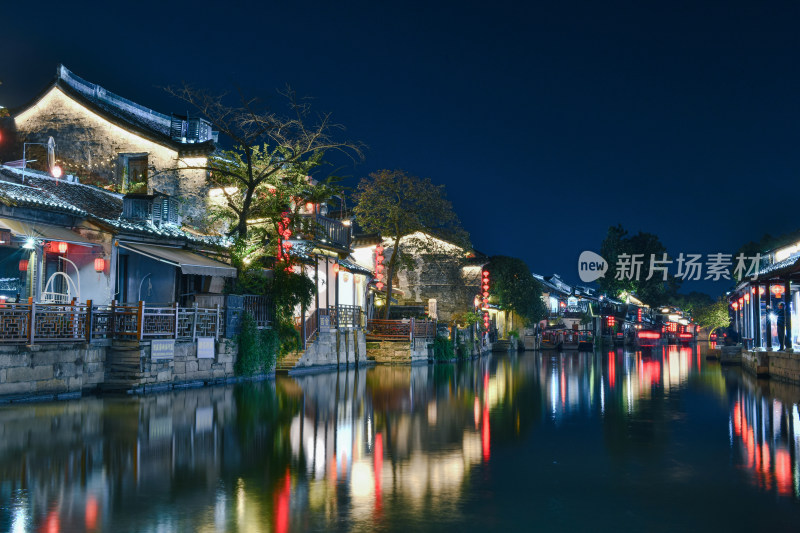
{"type": "Point", "coordinates": [514, 288]}
{"type": "Point", "coordinates": [399, 206]}
{"type": "Point", "coordinates": [288, 291]}
{"type": "Point", "coordinates": [653, 291]}
{"type": "Point", "coordinates": [712, 316]}
{"type": "Point", "coordinates": [264, 183]}
{"type": "Point", "coordinates": [265, 177]}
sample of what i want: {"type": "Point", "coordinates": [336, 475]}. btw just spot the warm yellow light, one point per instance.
{"type": "Point", "coordinates": [219, 191]}
{"type": "Point", "coordinates": [785, 252]}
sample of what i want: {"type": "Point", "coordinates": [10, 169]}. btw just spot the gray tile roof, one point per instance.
{"type": "Point", "coordinates": [39, 190]}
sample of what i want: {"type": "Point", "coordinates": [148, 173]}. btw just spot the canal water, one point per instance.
{"type": "Point", "coordinates": [610, 441]}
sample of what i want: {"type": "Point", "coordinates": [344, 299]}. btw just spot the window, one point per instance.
{"type": "Point", "coordinates": [133, 172]}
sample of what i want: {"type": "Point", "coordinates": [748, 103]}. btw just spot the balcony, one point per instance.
{"type": "Point", "coordinates": [325, 231]}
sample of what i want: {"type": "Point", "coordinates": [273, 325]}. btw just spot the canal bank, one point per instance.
{"type": "Point", "coordinates": [419, 447]}
{"type": "Point", "coordinates": [43, 372]}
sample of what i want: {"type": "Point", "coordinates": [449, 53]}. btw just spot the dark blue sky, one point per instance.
{"type": "Point", "coordinates": [547, 122]}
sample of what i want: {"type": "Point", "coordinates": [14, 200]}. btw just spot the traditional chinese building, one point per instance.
{"type": "Point", "coordinates": [762, 302]}
{"type": "Point", "coordinates": [115, 143]}
{"type": "Point", "coordinates": [443, 282]}
{"type": "Point", "coordinates": [66, 240]}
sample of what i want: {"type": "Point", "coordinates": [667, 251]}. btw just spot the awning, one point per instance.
{"type": "Point", "coordinates": [45, 231]}
{"type": "Point", "coordinates": [189, 262]}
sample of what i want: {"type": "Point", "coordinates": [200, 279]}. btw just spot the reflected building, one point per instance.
{"type": "Point", "coordinates": [765, 434]}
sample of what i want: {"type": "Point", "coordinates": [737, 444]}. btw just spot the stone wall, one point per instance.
{"type": "Point", "coordinates": [784, 366]}
{"type": "Point", "coordinates": [754, 362]}
{"type": "Point", "coordinates": [335, 347]}
{"type": "Point", "coordinates": [440, 271]}
{"type": "Point", "coordinates": [88, 146]}
{"type": "Point", "coordinates": [183, 369]}
{"type": "Point", "coordinates": [397, 353]}
{"type": "Point", "coordinates": [50, 370]}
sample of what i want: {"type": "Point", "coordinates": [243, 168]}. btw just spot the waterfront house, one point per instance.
{"type": "Point", "coordinates": [442, 283]}
{"type": "Point", "coordinates": [114, 143]}
{"type": "Point", "coordinates": [83, 242]}
{"type": "Point", "coordinates": [756, 301]}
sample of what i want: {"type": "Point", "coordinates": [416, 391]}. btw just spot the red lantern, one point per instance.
{"type": "Point", "coordinates": [310, 207]}
{"type": "Point", "coordinates": [60, 246]}
{"type": "Point", "coordinates": [379, 285]}
{"type": "Point", "coordinates": [753, 290]}
{"type": "Point", "coordinates": [336, 268]}
{"type": "Point", "coordinates": [747, 297]}
{"type": "Point", "coordinates": [761, 291]}
{"type": "Point", "coordinates": [23, 265]}
{"type": "Point", "coordinates": [99, 264]}
{"type": "Point", "coordinates": [735, 306]}
{"type": "Point", "coordinates": [777, 290]}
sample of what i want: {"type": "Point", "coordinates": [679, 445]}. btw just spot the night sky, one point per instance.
{"type": "Point", "coordinates": [547, 122]}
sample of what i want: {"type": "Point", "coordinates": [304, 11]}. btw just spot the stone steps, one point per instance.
{"type": "Point", "coordinates": [288, 362]}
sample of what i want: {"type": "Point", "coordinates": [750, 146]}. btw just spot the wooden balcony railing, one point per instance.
{"type": "Point", "coordinates": [401, 330]}
{"type": "Point", "coordinates": [32, 323]}
{"type": "Point", "coordinates": [327, 231]}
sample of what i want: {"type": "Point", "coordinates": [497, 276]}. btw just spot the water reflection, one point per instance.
{"type": "Point", "coordinates": [765, 433]}
{"type": "Point", "coordinates": [398, 447]}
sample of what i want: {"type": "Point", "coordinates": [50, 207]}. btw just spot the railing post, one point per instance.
{"type": "Point", "coordinates": [303, 325]}
{"type": "Point", "coordinates": [74, 317]}
{"type": "Point", "coordinates": [140, 321]}
{"type": "Point", "coordinates": [216, 330]}
{"type": "Point", "coordinates": [194, 323]}
{"type": "Point", "coordinates": [175, 333]}
{"type": "Point", "coordinates": [31, 319]}
{"type": "Point", "coordinates": [88, 321]}
{"type": "Point", "coordinates": [112, 326]}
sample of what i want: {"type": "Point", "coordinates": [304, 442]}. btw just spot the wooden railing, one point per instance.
{"type": "Point", "coordinates": [401, 330]}
{"type": "Point", "coordinates": [31, 323]}
{"type": "Point", "coordinates": [261, 308]}
{"type": "Point", "coordinates": [329, 230]}
{"type": "Point", "coordinates": [346, 316]}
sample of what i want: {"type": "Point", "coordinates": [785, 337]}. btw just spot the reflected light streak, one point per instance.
{"type": "Point", "coordinates": [52, 524]}
{"type": "Point", "coordinates": [378, 466]}
{"type": "Point", "coordinates": [91, 512]}
{"type": "Point", "coordinates": [485, 434]}
{"type": "Point", "coordinates": [612, 370]}
{"type": "Point", "coordinates": [282, 503]}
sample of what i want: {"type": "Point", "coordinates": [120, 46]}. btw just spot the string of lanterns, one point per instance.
{"type": "Point", "coordinates": [284, 233]}
{"type": "Point", "coordinates": [379, 258]}
{"type": "Point", "coordinates": [485, 298]}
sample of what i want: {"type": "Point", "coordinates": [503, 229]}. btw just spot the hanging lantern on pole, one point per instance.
{"type": "Point", "coordinates": [777, 290]}
{"type": "Point", "coordinates": [379, 267]}
{"type": "Point", "coordinates": [99, 264]}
